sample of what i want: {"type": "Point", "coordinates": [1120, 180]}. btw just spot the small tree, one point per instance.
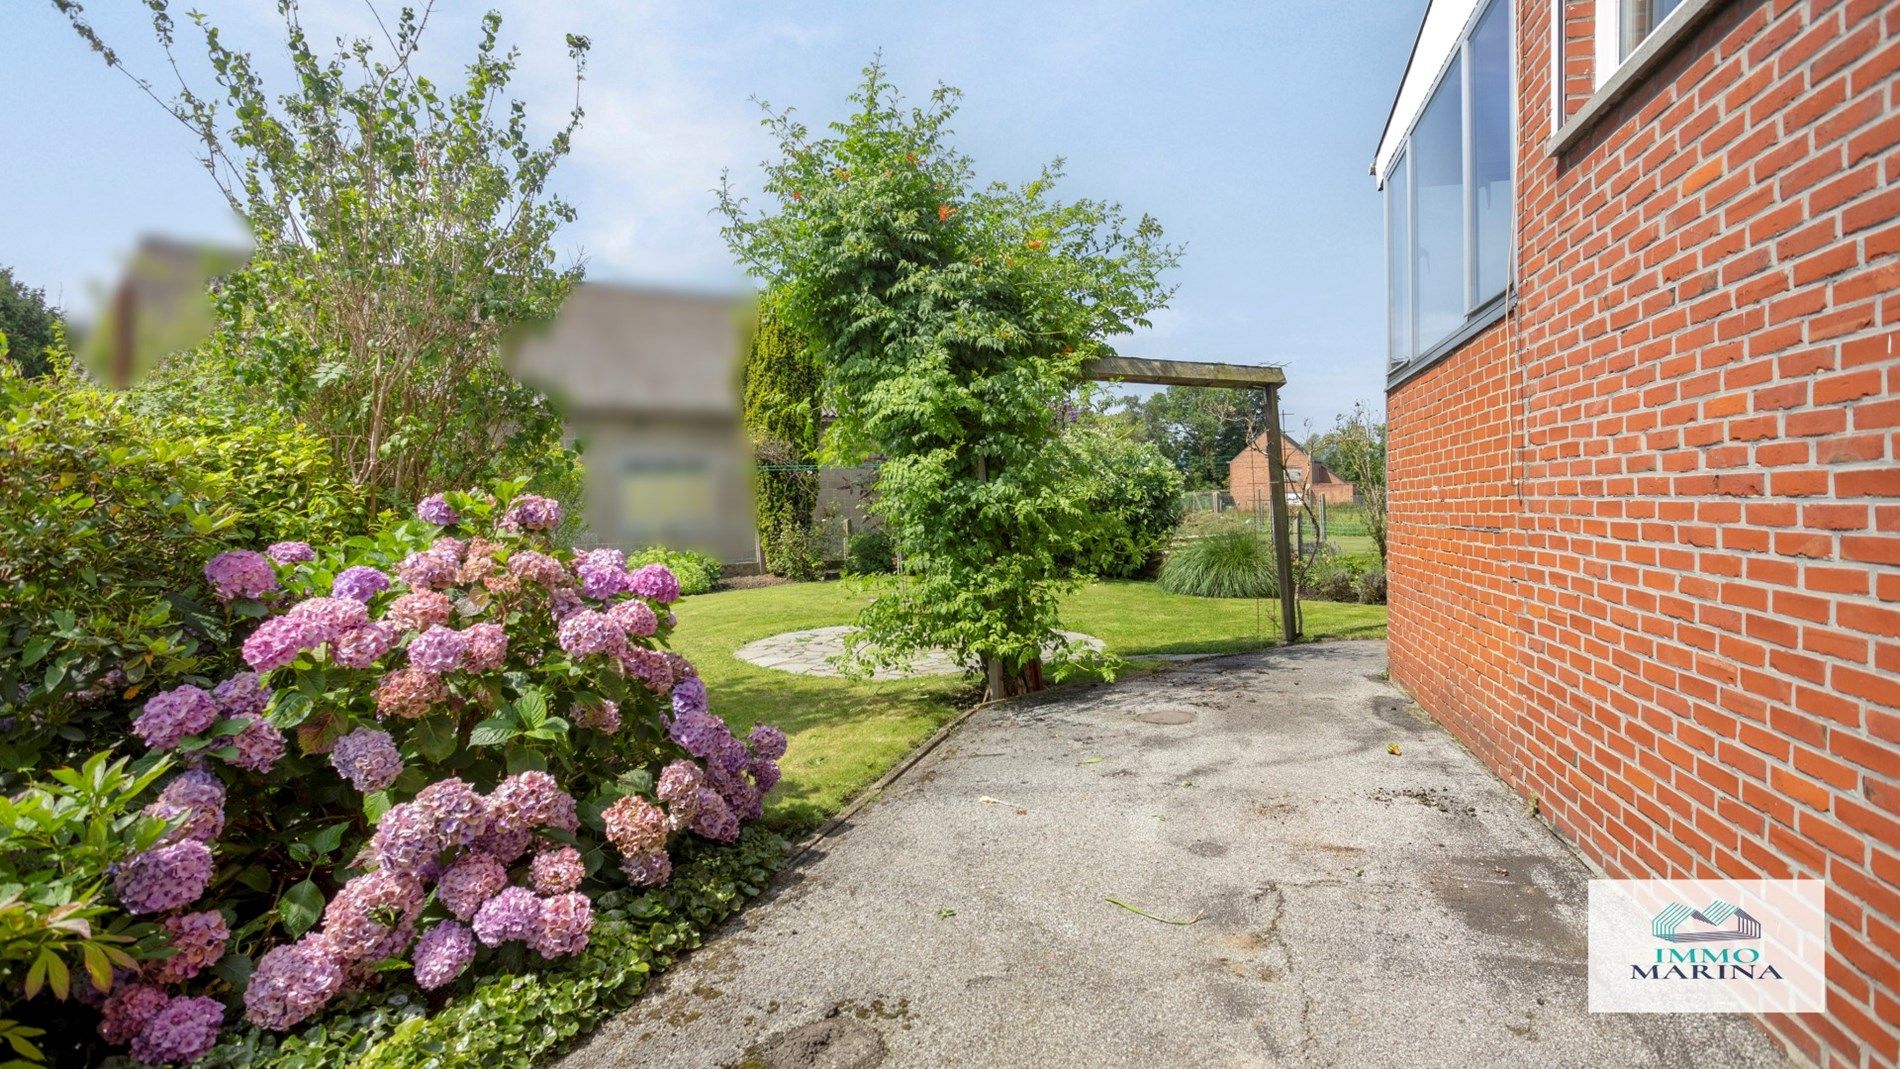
{"type": "Point", "coordinates": [952, 322]}
{"type": "Point", "coordinates": [400, 235]}
{"type": "Point", "coordinates": [1355, 450]}
{"type": "Point", "coordinates": [29, 324]}
{"type": "Point", "coordinates": [781, 412]}
{"type": "Point", "coordinates": [1199, 429]}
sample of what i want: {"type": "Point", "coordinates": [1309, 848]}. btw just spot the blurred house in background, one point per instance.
{"type": "Point", "coordinates": [648, 381]}
{"type": "Point", "coordinates": [1248, 479]}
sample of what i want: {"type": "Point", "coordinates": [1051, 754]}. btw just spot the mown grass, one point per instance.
{"type": "Point", "coordinates": [846, 733]}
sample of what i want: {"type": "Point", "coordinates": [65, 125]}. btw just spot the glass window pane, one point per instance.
{"type": "Point", "coordinates": [1438, 171]}
{"type": "Point", "coordinates": [1490, 59]}
{"type": "Point", "coordinates": [1398, 279]}
{"type": "Point", "coordinates": [1638, 18]}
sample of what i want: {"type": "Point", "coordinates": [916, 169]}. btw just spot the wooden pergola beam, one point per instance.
{"type": "Point", "coordinates": [1183, 373]}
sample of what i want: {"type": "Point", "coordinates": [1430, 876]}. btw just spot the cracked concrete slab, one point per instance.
{"type": "Point", "coordinates": [1292, 894]}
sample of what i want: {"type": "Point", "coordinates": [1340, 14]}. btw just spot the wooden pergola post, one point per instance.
{"type": "Point", "coordinates": [1233, 377]}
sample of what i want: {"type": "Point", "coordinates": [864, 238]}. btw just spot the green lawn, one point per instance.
{"type": "Point", "coordinates": [845, 733]}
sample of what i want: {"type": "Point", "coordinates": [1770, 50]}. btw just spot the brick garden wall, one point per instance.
{"type": "Point", "coordinates": [1645, 534]}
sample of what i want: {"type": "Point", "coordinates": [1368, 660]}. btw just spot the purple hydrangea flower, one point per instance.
{"type": "Point", "coordinates": [602, 557]}
{"type": "Point", "coordinates": [513, 914]}
{"type": "Point", "coordinates": [460, 814]}
{"type": "Point", "coordinates": [278, 640]}
{"type": "Point", "coordinates": [655, 581]}
{"type": "Point", "coordinates": [290, 552]}
{"type": "Point", "coordinates": [179, 1033]}
{"type": "Point", "coordinates": [359, 647]}
{"type": "Point", "coordinates": [240, 573]}
{"type": "Point", "coordinates": [405, 840]}
{"type": "Point", "coordinates": [728, 756]}
{"type": "Point", "coordinates": [647, 870]}
{"type": "Point", "coordinates": [484, 648]}
{"type": "Point", "coordinates": [164, 877]}
{"type": "Point", "coordinates": [474, 879]}
{"type": "Point", "coordinates": [566, 921]}
{"type": "Point", "coordinates": [196, 796]}
{"type": "Point", "coordinates": [259, 746]}
{"type": "Point", "coordinates": [689, 695]}
{"type": "Point", "coordinates": [438, 650]}
{"type": "Point", "coordinates": [442, 953]}
{"type": "Point", "coordinates": [291, 982]}
{"type": "Point", "coordinates": [635, 617]}
{"type": "Point", "coordinates": [359, 583]}
{"type": "Point", "coordinates": [635, 825]}
{"type": "Point", "coordinates": [698, 733]}
{"type": "Point", "coordinates": [713, 819]}
{"type": "Point", "coordinates": [128, 1009]}
{"type": "Point", "coordinates": [532, 799]}
{"type": "Point", "coordinates": [602, 581]}
{"type": "Point", "coordinates": [680, 782]}
{"type": "Point", "coordinates": [372, 917]}
{"type": "Point", "coordinates": [602, 716]}
{"type": "Point", "coordinates": [767, 742]}
{"type": "Point", "coordinates": [650, 667]}
{"type": "Point", "coordinates": [197, 942]}
{"type": "Point", "coordinates": [531, 512]}
{"type": "Point", "coordinates": [436, 509]}
{"type": "Point", "coordinates": [765, 772]}
{"type": "Point", "coordinates": [171, 715]}
{"type": "Point", "coordinates": [587, 632]}
{"type": "Point", "coordinates": [557, 871]}
{"type": "Point", "coordinates": [367, 758]}
{"type": "Point", "coordinates": [242, 693]}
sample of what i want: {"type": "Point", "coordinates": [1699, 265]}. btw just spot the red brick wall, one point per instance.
{"type": "Point", "coordinates": [1645, 535]}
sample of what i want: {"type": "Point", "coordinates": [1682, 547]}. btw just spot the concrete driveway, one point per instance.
{"type": "Point", "coordinates": [1350, 907]}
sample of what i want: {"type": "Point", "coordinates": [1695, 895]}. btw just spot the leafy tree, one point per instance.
{"type": "Point", "coordinates": [400, 233]}
{"type": "Point", "coordinates": [781, 413]}
{"type": "Point", "coordinates": [30, 325]}
{"type": "Point", "coordinates": [1199, 429]}
{"type": "Point", "coordinates": [951, 321]}
{"type": "Point", "coordinates": [1355, 451]}
{"type": "Point", "coordinates": [1132, 490]}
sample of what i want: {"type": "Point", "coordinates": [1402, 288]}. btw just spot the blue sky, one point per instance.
{"type": "Point", "coordinates": [1245, 128]}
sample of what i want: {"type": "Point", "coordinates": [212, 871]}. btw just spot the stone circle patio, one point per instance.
{"type": "Point", "coordinates": [815, 652]}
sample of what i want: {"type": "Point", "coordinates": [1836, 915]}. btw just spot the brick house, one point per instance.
{"type": "Point", "coordinates": [1248, 481]}
{"type": "Point", "coordinates": [1644, 483]}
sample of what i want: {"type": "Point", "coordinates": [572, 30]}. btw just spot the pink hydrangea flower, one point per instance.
{"type": "Point", "coordinates": [360, 647]}
{"type": "Point", "coordinates": [240, 694]}
{"type": "Point", "coordinates": [171, 715]}
{"type": "Point", "coordinates": [538, 568]}
{"type": "Point", "coordinates": [197, 942]}
{"type": "Point", "coordinates": [485, 647]}
{"type": "Point", "coordinates": [635, 617]}
{"type": "Point", "coordinates": [196, 796]}
{"type": "Point", "coordinates": [442, 954]}
{"type": "Point", "coordinates": [602, 716]}
{"type": "Point", "coordinates": [278, 640]}
{"type": "Point", "coordinates": [531, 512]}
{"type": "Point", "coordinates": [164, 877]}
{"type": "Point", "coordinates": [437, 650]}
{"type": "Point", "coordinates": [405, 841]}
{"type": "Point", "coordinates": [128, 1009]}
{"type": "Point", "coordinates": [655, 581]}
{"type": "Point", "coordinates": [513, 914]}
{"type": "Point", "coordinates": [534, 800]}
{"type": "Point", "coordinates": [240, 573]}
{"type": "Point", "coordinates": [587, 632]}
{"type": "Point", "coordinates": [291, 982]}
{"type": "Point", "coordinates": [566, 921]}
{"type": "Point", "coordinates": [473, 879]}
{"type": "Point", "coordinates": [557, 871]}
{"type": "Point", "coordinates": [460, 814]}
{"type": "Point", "coordinates": [367, 758]}
{"type": "Point", "coordinates": [336, 615]}
{"type": "Point", "coordinates": [373, 916]}
{"type": "Point", "coordinates": [635, 825]}
{"type": "Point", "coordinates": [680, 782]}
{"type": "Point", "coordinates": [420, 610]}
{"type": "Point", "coordinates": [714, 819]}
{"type": "Point", "coordinates": [650, 869]}
{"type": "Point", "coordinates": [259, 746]}
{"type": "Point", "coordinates": [180, 1033]}
{"type": "Point", "coordinates": [409, 693]}
{"type": "Point", "coordinates": [650, 667]}
{"type": "Point", "coordinates": [290, 552]}
{"type": "Point", "coordinates": [428, 571]}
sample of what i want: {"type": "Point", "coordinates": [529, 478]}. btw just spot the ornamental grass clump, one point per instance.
{"type": "Point", "coordinates": [451, 738]}
{"type": "Point", "coordinates": [1226, 561]}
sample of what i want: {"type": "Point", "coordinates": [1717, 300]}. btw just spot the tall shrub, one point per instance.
{"type": "Point", "coordinates": [782, 382]}
{"type": "Point", "coordinates": [400, 234]}
{"type": "Point", "coordinates": [1133, 492]}
{"type": "Point", "coordinates": [952, 321]}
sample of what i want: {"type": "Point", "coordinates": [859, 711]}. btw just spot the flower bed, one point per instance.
{"type": "Point", "coordinates": [455, 743]}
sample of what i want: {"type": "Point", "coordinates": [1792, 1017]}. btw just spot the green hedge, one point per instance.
{"type": "Point", "coordinates": [697, 572]}
{"type": "Point", "coordinates": [517, 1017]}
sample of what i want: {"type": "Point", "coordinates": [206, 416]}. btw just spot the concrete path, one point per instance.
{"type": "Point", "coordinates": [815, 652]}
{"type": "Point", "coordinates": [1350, 907]}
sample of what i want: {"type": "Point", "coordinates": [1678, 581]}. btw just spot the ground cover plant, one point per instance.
{"type": "Point", "coordinates": [452, 737]}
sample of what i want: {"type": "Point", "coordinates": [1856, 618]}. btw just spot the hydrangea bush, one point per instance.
{"type": "Point", "coordinates": [451, 739]}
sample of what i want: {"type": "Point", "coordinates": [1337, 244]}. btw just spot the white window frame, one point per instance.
{"type": "Point", "coordinates": [1609, 37]}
